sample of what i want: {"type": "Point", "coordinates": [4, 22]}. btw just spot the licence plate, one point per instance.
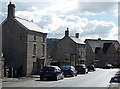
{"type": "Point", "coordinates": [46, 75]}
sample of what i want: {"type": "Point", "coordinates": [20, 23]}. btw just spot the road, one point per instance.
{"type": "Point", "coordinates": [98, 78]}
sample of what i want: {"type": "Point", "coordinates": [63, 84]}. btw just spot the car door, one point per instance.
{"type": "Point", "coordinates": [60, 72]}
{"type": "Point", "coordinates": [75, 70]}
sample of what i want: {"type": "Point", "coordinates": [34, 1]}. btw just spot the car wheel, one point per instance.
{"type": "Point", "coordinates": [62, 77]}
{"type": "Point", "coordinates": [76, 74]}
{"type": "Point", "coordinates": [56, 79]}
{"type": "Point", "coordinates": [73, 75]}
{"type": "Point", "coordinates": [41, 79]}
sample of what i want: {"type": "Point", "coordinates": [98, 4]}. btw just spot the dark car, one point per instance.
{"type": "Point", "coordinates": [115, 79]}
{"type": "Point", "coordinates": [91, 68]}
{"type": "Point", "coordinates": [51, 72]}
{"type": "Point", "coordinates": [81, 69]}
{"type": "Point", "coordinates": [69, 70]}
{"type": "Point", "coordinates": [108, 66]}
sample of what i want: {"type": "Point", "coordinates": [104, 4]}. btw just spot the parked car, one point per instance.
{"type": "Point", "coordinates": [69, 70]}
{"type": "Point", "coordinates": [51, 72]}
{"type": "Point", "coordinates": [91, 68]}
{"type": "Point", "coordinates": [115, 79]}
{"type": "Point", "coordinates": [81, 69]}
{"type": "Point", "coordinates": [108, 66]}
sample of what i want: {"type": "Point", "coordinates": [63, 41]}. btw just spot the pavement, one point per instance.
{"type": "Point", "coordinates": [19, 79]}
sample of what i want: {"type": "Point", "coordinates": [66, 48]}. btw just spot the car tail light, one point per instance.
{"type": "Point", "coordinates": [41, 71]}
{"type": "Point", "coordinates": [54, 71]}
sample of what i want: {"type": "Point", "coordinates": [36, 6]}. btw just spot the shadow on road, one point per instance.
{"type": "Point", "coordinates": [46, 80]}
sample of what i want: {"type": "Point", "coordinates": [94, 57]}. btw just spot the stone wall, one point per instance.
{"type": "Point", "coordinates": [35, 60]}
{"type": "Point", "coordinates": [14, 47]}
{"type": "Point", "coordinates": [1, 67]}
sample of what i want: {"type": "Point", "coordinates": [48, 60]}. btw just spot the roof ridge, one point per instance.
{"type": "Point", "coordinates": [75, 37]}
{"type": "Point", "coordinates": [23, 19]}
{"type": "Point", "coordinates": [101, 40]}
{"type": "Point", "coordinates": [77, 40]}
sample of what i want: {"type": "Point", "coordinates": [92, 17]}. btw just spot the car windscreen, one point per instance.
{"type": "Point", "coordinates": [48, 68]}
{"type": "Point", "coordinates": [66, 68]}
{"type": "Point", "coordinates": [79, 66]}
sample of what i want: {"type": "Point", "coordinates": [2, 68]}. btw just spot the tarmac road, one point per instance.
{"type": "Point", "coordinates": [98, 78]}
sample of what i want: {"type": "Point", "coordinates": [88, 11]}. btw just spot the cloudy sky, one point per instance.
{"type": "Point", "coordinates": [90, 18]}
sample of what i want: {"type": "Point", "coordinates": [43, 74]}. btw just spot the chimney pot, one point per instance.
{"type": "Point", "coordinates": [67, 33]}
{"type": "Point", "coordinates": [77, 35]}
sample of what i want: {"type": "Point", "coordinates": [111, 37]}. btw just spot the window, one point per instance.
{"type": "Point", "coordinates": [34, 49]}
{"type": "Point", "coordinates": [43, 39]}
{"type": "Point", "coordinates": [43, 50]}
{"type": "Point", "coordinates": [34, 36]}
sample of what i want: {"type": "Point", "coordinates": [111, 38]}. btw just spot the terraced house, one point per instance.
{"type": "Point", "coordinates": [69, 50]}
{"type": "Point", "coordinates": [24, 45]}
{"type": "Point", "coordinates": [101, 52]}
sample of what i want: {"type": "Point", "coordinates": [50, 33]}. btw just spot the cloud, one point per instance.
{"type": "Point", "coordinates": [97, 7]}
{"type": "Point", "coordinates": [56, 25]}
{"type": "Point", "coordinates": [76, 7]}
{"type": "Point", "coordinates": [100, 29]}
{"type": "Point", "coordinates": [86, 28]}
{"type": "Point", "coordinates": [1, 14]}
{"type": "Point", "coordinates": [73, 7]}
{"type": "Point", "coordinates": [57, 16]}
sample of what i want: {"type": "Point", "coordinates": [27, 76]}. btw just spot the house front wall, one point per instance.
{"type": "Point", "coordinates": [81, 54]}
{"type": "Point", "coordinates": [111, 56]}
{"type": "Point", "coordinates": [66, 51]}
{"type": "Point", "coordinates": [14, 47]}
{"type": "Point", "coordinates": [36, 52]}
{"type": "Point", "coordinates": [99, 58]}
{"type": "Point", "coordinates": [90, 56]}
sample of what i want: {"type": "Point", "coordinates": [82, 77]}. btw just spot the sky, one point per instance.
{"type": "Point", "coordinates": [91, 19]}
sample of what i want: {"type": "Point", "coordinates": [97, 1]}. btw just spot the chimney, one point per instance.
{"type": "Point", "coordinates": [67, 33]}
{"type": "Point", "coordinates": [11, 10]}
{"type": "Point", "coordinates": [99, 38]}
{"type": "Point", "coordinates": [77, 35]}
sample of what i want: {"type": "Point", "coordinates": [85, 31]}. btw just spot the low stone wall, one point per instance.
{"type": "Point", "coordinates": [1, 67]}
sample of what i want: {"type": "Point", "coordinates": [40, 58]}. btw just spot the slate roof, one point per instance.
{"type": "Point", "coordinates": [100, 43]}
{"type": "Point", "coordinates": [77, 40]}
{"type": "Point", "coordinates": [97, 49]}
{"type": "Point", "coordinates": [106, 47]}
{"type": "Point", "coordinates": [51, 42]}
{"type": "Point", "coordinates": [30, 25]}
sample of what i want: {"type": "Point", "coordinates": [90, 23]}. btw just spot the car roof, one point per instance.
{"type": "Point", "coordinates": [80, 65]}
{"type": "Point", "coordinates": [52, 66]}
{"type": "Point", "coordinates": [67, 66]}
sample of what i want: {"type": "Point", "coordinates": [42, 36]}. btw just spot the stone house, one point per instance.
{"type": "Point", "coordinates": [24, 45]}
{"type": "Point", "coordinates": [67, 51]}
{"type": "Point", "coordinates": [101, 52]}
